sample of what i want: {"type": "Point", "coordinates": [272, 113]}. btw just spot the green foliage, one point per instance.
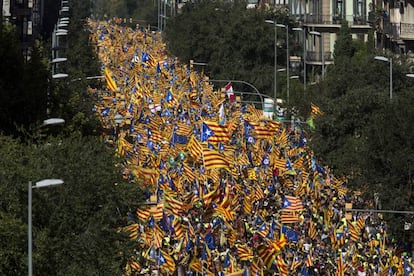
{"type": "Point", "coordinates": [74, 225]}
{"type": "Point", "coordinates": [344, 47]}
{"type": "Point", "coordinates": [364, 135]}
{"type": "Point", "coordinates": [11, 85]}
{"type": "Point", "coordinates": [235, 42]}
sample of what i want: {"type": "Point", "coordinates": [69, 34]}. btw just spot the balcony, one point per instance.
{"type": "Point", "coordinates": [315, 57]}
{"type": "Point", "coordinates": [407, 31]}
{"type": "Point", "coordinates": [335, 19]}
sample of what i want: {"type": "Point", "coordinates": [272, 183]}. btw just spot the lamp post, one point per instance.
{"type": "Point", "coordinates": [39, 184]}
{"type": "Point", "coordinates": [275, 61]}
{"type": "Point", "coordinates": [385, 59]}
{"type": "Point", "coordinates": [59, 76]}
{"type": "Point", "coordinates": [303, 55]}
{"type": "Point", "coordinates": [53, 121]}
{"type": "Point", "coordinates": [322, 50]}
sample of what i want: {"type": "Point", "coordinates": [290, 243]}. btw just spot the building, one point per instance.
{"type": "Point", "coordinates": [395, 26]}
{"type": "Point", "coordinates": [392, 23]}
{"type": "Point", "coordinates": [27, 16]}
{"type": "Point", "coordinates": [321, 20]}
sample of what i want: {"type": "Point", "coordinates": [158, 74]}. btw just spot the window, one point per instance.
{"type": "Point", "coordinates": [359, 8]}
{"type": "Point", "coordinates": [339, 8]}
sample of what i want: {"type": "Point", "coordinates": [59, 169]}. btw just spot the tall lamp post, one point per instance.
{"type": "Point", "coordinates": [304, 54]}
{"type": "Point", "coordinates": [385, 59]}
{"type": "Point", "coordinates": [39, 184]}
{"type": "Point", "coordinates": [275, 61]}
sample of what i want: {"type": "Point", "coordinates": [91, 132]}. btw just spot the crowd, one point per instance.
{"type": "Point", "coordinates": [229, 192]}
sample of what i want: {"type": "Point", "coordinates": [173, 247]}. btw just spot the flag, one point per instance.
{"type": "Point", "coordinates": [166, 262]}
{"type": "Point", "coordinates": [291, 203]}
{"type": "Point", "coordinates": [174, 205]}
{"type": "Point", "coordinates": [312, 230]}
{"type": "Point", "coordinates": [296, 262]}
{"type": "Point", "coordinates": [179, 139]}
{"type": "Point", "coordinates": [408, 268]}
{"type": "Point", "coordinates": [214, 132]}
{"type": "Point", "coordinates": [267, 255]}
{"type": "Point", "coordinates": [110, 82]}
{"type": "Point", "coordinates": [290, 234]}
{"type": "Point", "coordinates": [143, 214]}
{"type": "Point", "coordinates": [354, 231]}
{"type": "Point", "coordinates": [227, 261]}
{"type": "Point", "coordinates": [309, 259]}
{"type": "Point", "coordinates": [210, 241]}
{"type": "Point", "coordinates": [206, 133]}
{"type": "Point", "coordinates": [133, 230]}
{"type": "Point", "coordinates": [315, 111]}
{"type": "Point", "coordinates": [289, 217]}
{"type": "Point", "coordinates": [196, 265]}
{"type": "Point", "coordinates": [170, 97]}
{"type": "Point", "coordinates": [340, 269]}
{"type": "Point", "coordinates": [263, 230]}
{"type": "Point", "coordinates": [222, 114]}
{"type": "Point", "coordinates": [135, 265]}
{"type": "Point", "coordinates": [194, 147]}
{"type": "Point", "coordinates": [229, 91]}
{"type": "Point", "coordinates": [245, 253]}
{"type": "Point", "coordinates": [226, 214]}
{"type": "Point", "coordinates": [281, 265]}
{"type": "Point", "coordinates": [214, 160]}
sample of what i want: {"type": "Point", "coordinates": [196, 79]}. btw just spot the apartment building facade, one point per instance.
{"type": "Point", "coordinates": [26, 16]}
{"type": "Point", "coordinates": [392, 23]}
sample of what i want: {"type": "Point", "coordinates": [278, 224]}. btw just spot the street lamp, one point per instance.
{"type": "Point", "coordinates": [39, 184]}
{"type": "Point", "coordinates": [275, 61]}
{"type": "Point", "coordinates": [382, 58]}
{"type": "Point", "coordinates": [322, 50]}
{"type": "Point", "coordinates": [304, 54]}
{"type": "Point", "coordinates": [59, 76]}
{"type": "Point", "coordinates": [53, 121]}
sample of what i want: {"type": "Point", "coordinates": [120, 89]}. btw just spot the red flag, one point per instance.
{"type": "Point", "coordinates": [229, 91]}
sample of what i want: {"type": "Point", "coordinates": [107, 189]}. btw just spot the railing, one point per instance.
{"type": "Point", "coordinates": [316, 56]}
{"type": "Point", "coordinates": [398, 30]}
{"type": "Point", "coordinates": [334, 19]}
{"type": "Point", "coordinates": [406, 30]}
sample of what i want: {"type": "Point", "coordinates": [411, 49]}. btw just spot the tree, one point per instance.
{"type": "Point", "coordinates": [344, 46]}
{"type": "Point", "coordinates": [11, 85]}
{"type": "Point", "coordinates": [74, 225]}
{"type": "Point", "coordinates": [234, 41]}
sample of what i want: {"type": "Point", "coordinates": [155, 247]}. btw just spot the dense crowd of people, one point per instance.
{"type": "Point", "coordinates": [229, 192]}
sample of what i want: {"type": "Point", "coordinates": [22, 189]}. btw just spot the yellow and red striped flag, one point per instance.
{"type": "Point", "coordinates": [109, 80]}
{"type": "Point", "coordinates": [354, 231]}
{"type": "Point", "coordinates": [245, 253]}
{"type": "Point", "coordinates": [309, 259]}
{"type": "Point", "coordinates": [133, 230]}
{"type": "Point", "coordinates": [143, 214]}
{"type": "Point", "coordinates": [315, 111]}
{"type": "Point", "coordinates": [291, 203]}
{"type": "Point", "coordinates": [220, 133]}
{"type": "Point", "coordinates": [226, 214]}
{"type": "Point", "coordinates": [214, 160]}
{"type": "Point", "coordinates": [281, 265]}
{"type": "Point", "coordinates": [196, 265]}
{"type": "Point", "coordinates": [195, 148]}
{"type": "Point", "coordinates": [166, 262]}
{"type": "Point", "coordinates": [340, 269]}
{"type": "Point", "coordinates": [312, 230]}
{"type": "Point", "coordinates": [174, 205]}
{"type": "Point", "coordinates": [289, 217]}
